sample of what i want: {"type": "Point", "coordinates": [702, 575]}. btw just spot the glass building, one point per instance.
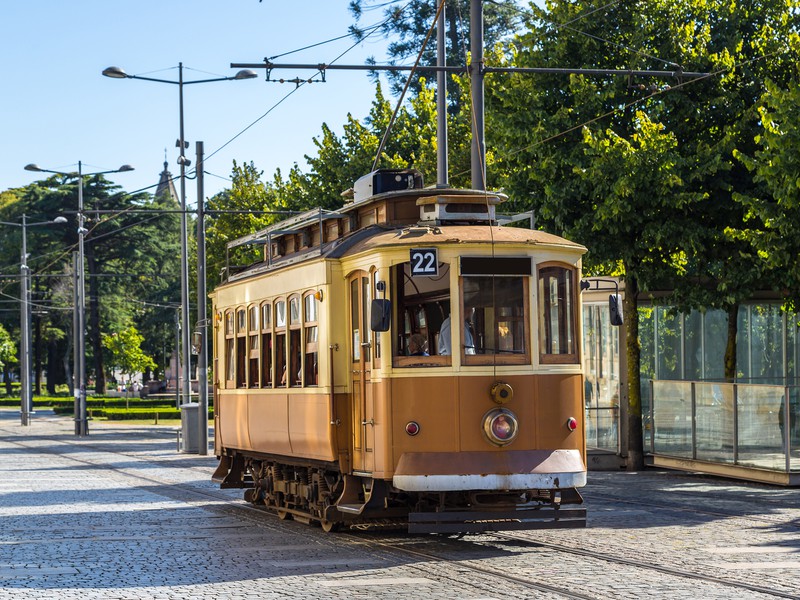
{"type": "Point", "coordinates": [692, 418]}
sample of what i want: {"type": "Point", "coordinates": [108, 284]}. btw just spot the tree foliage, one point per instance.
{"type": "Point", "coordinates": [131, 260]}
{"type": "Point", "coordinates": [407, 25]}
{"type": "Point", "coordinates": [642, 171]}
{"type": "Point", "coordinates": [125, 351]}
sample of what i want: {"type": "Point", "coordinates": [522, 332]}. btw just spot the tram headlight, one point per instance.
{"type": "Point", "coordinates": [500, 426]}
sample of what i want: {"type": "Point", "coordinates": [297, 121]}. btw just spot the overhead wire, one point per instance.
{"type": "Point", "coordinates": [287, 96]}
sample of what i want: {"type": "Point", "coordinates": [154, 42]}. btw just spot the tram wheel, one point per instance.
{"type": "Point", "coordinates": [330, 526]}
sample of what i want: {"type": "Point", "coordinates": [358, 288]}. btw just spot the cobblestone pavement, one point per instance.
{"type": "Point", "coordinates": [122, 515]}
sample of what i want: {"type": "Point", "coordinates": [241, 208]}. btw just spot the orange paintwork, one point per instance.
{"type": "Point", "coordinates": [450, 413]}
{"type": "Point", "coordinates": [277, 423]}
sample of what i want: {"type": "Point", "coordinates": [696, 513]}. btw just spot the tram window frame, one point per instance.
{"type": "Point", "coordinates": [253, 353]}
{"type": "Point", "coordinates": [310, 340]}
{"type": "Point", "coordinates": [230, 350]}
{"type": "Point", "coordinates": [280, 342]}
{"type": "Point", "coordinates": [241, 347]}
{"type": "Point", "coordinates": [267, 377]}
{"type": "Point", "coordinates": [295, 358]}
{"type": "Point", "coordinates": [435, 303]}
{"type": "Point", "coordinates": [566, 315]}
{"type": "Point", "coordinates": [485, 326]}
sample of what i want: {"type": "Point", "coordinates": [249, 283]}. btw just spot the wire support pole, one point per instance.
{"type": "Point", "coordinates": [81, 419]}
{"type": "Point", "coordinates": [185, 356]}
{"type": "Point", "coordinates": [202, 319]}
{"type": "Point", "coordinates": [25, 396]}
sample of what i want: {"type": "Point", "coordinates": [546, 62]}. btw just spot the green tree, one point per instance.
{"type": "Point", "coordinates": [552, 129]}
{"type": "Point", "coordinates": [8, 356]}
{"type": "Point", "coordinates": [128, 255]}
{"type": "Point", "coordinates": [125, 350]}
{"type": "Point", "coordinates": [776, 165]}
{"type": "Point", "coordinates": [237, 212]}
{"type": "Point", "coordinates": [407, 25]}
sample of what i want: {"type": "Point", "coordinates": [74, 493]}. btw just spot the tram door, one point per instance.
{"type": "Point", "coordinates": [362, 409]}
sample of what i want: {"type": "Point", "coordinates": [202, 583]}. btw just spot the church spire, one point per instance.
{"type": "Point", "coordinates": [166, 186]}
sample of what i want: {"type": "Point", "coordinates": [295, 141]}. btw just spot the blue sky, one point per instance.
{"type": "Point", "coordinates": [56, 107]}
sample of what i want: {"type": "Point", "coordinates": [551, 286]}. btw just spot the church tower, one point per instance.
{"type": "Point", "coordinates": [166, 185]}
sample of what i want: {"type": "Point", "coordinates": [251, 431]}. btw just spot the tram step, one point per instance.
{"type": "Point", "coordinates": [355, 509]}
{"type": "Point", "coordinates": [477, 521]}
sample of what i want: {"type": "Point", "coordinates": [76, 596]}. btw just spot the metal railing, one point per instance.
{"type": "Point", "coordinates": [750, 425]}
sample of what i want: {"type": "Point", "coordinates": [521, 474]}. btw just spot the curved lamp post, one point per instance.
{"type": "Point", "coordinates": [26, 400]}
{"type": "Point", "coordinates": [81, 421]}
{"type": "Point", "coordinates": [118, 73]}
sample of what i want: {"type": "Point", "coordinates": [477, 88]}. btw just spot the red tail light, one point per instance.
{"type": "Point", "coordinates": [572, 424]}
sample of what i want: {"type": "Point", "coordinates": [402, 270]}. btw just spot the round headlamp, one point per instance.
{"type": "Point", "coordinates": [500, 426]}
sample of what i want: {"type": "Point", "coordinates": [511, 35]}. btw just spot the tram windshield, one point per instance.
{"type": "Point", "coordinates": [493, 310]}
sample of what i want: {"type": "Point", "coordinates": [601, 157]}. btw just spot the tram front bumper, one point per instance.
{"type": "Point", "coordinates": [506, 470]}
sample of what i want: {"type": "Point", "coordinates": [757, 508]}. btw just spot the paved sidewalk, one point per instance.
{"type": "Point", "coordinates": [122, 515]}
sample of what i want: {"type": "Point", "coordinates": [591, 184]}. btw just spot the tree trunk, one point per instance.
{"type": "Point", "coordinates": [730, 347]}
{"type": "Point", "coordinates": [7, 379]}
{"type": "Point", "coordinates": [635, 461]}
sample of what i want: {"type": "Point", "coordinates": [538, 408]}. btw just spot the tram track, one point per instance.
{"type": "Point", "coordinates": [389, 545]}
{"type": "Point", "coordinates": [699, 511]}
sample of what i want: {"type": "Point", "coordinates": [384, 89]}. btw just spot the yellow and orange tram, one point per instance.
{"type": "Point", "coordinates": [344, 396]}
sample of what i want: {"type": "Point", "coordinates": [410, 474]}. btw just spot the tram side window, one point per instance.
{"type": "Point", "coordinates": [557, 338]}
{"type": "Point", "coordinates": [266, 345]}
{"type": "Point", "coordinates": [311, 330]}
{"type": "Point", "coordinates": [241, 348]}
{"type": "Point", "coordinates": [280, 342]}
{"type": "Point", "coordinates": [253, 330]}
{"type": "Point", "coordinates": [295, 373]}
{"type": "Point", "coordinates": [230, 350]}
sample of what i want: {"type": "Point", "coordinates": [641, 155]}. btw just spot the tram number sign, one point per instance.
{"type": "Point", "coordinates": [424, 262]}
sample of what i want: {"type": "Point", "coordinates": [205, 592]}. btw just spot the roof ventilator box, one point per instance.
{"type": "Point", "coordinates": [386, 180]}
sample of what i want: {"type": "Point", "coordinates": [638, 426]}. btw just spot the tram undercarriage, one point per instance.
{"type": "Point", "coordinates": [320, 493]}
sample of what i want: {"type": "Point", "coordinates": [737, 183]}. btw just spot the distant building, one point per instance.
{"type": "Point", "coordinates": [166, 186]}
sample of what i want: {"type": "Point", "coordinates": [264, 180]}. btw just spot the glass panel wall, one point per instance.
{"type": "Point", "coordinates": [602, 379]}
{"type": "Point", "coordinates": [672, 418]}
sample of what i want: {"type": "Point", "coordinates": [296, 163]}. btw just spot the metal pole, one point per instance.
{"type": "Point", "coordinates": [82, 421]}
{"type": "Point", "coordinates": [185, 356]}
{"type": "Point", "coordinates": [177, 358]}
{"type": "Point", "coordinates": [478, 156]}
{"type": "Point", "coordinates": [76, 383]}
{"type": "Point", "coordinates": [441, 103]}
{"type": "Point", "coordinates": [25, 370]}
{"type": "Point", "coordinates": [202, 321]}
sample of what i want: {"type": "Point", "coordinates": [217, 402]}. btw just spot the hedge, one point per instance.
{"type": "Point", "coordinates": [117, 414]}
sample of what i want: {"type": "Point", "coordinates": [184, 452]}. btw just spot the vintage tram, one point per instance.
{"type": "Point", "coordinates": [343, 395]}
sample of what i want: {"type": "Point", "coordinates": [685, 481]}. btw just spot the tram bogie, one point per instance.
{"type": "Point", "coordinates": [344, 396]}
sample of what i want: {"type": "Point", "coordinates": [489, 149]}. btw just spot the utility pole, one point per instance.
{"type": "Point", "coordinates": [202, 320]}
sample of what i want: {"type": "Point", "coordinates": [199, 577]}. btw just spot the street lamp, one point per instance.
{"type": "Point", "coordinates": [81, 421]}
{"type": "Point", "coordinates": [118, 73]}
{"type": "Point", "coordinates": [26, 400]}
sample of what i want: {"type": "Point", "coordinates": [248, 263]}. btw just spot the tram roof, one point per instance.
{"type": "Point", "coordinates": [460, 234]}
